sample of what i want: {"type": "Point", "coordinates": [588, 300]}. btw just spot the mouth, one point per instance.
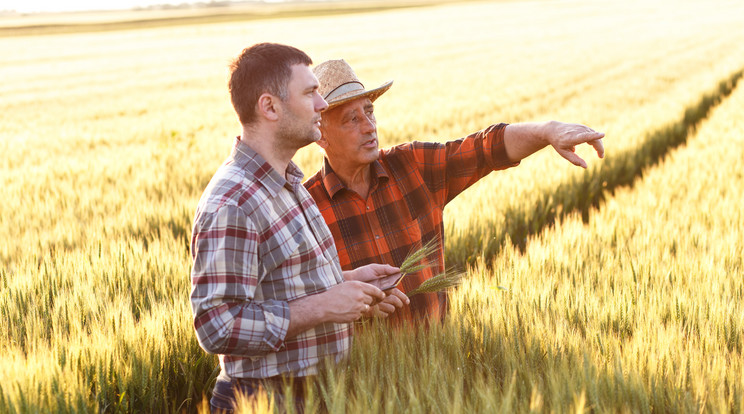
{"type": "Point", "coordinates": [372, 143]}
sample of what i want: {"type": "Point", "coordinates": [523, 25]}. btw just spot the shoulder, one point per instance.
{"type": "Point", "coordinates": [410, 149]}
{"type": "Point", "coordinates": [409, 152]}
{"type": "Point", "coordinates": [231, 189]}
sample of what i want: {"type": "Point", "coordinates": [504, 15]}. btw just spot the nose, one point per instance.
{"type": "Point", "coordinates": [370, 125]}
{"type": "Point", "coordinates": [320, 103]}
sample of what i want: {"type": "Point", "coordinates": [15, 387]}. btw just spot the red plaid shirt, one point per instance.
{"type": "Point", "coordinates": [258, 243]}
{"type": "Point", "coordinates": [411, 184]}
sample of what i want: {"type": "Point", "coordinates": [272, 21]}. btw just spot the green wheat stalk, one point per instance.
{"type": "Point", "coordinates": [438, 283]}
{"type": "Point", "coordinates": [417, 260]}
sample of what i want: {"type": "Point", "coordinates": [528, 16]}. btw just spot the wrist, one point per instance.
{"type": "Point", "coordinates": [544, 131]}
{"type": "Point", "coordinates": [318, 306]}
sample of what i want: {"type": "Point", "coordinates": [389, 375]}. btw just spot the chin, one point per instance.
{"type": "Point", "coordinates": [373, 156]}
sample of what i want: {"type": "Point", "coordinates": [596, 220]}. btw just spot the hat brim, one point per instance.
{"type": "Point", "coordinates": [372, 94]}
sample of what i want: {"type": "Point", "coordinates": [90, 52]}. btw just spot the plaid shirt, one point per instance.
{"type": "Point", "coordinates": [402, 212]}
{"type": "Point", "coordinates": [259, 242]}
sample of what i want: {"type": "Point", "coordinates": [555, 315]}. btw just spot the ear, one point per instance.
{"type": "Point", "coordinates": [267, 106]}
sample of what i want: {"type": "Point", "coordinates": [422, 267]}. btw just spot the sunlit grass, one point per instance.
{"type": "Point", "coordinates": [108, 139]}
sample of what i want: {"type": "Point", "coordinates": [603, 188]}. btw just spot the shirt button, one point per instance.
{"type": "Point", "coordinates": [377, 237]}
{"type": "Point", "coordinates": [367, 208]}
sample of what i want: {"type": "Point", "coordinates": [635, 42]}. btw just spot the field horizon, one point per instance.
{"type": "Point", "coordinates": [53, 23]}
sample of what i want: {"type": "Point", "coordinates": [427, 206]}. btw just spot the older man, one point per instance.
{"type": "Point", "coordinates": [268, 293]}
{"type": "Point", "coordinates": [383, 204]}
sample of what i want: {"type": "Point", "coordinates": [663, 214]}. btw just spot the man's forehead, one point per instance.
{"type": "Point", "coordinates": [346, 107]}
{"type": "Point", "coordinates": [303, 74]}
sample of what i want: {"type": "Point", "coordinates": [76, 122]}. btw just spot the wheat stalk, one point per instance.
{"type": "Point", "coordinates": [417, 260]}
{"type": "Point", "coordinates": [440, 282]}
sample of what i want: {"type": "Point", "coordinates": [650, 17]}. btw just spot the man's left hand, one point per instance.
{"type": "Point", "coordinates": [395, 299]}
{"type": "Point", "coordinates": [371, 272]}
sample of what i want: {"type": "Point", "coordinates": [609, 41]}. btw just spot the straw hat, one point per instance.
{"type": "Point", "coordinates": [339, 83]}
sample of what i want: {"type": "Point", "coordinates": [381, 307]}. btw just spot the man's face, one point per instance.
{"type": "Point", "coordinates": [300, 121]}
{"type": "Point", "coordinates": [350, 133]}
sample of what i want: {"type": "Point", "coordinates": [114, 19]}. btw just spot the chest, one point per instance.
{"type": "Point", "coordinates": [296, 254]}
{"type": "Point", "coordinates": [385, 227]}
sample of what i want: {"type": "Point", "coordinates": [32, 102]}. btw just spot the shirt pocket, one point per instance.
{"type": "Point", "coordinates": [402, 232]}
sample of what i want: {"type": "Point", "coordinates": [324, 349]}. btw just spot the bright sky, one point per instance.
{"type": "Point", "coordinates": [25, 6]}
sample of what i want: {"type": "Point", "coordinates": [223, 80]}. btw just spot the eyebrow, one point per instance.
{"type": "Point", "coordinates": [345, 116]}
{"type": "Point", "coordinates": [350, 112]}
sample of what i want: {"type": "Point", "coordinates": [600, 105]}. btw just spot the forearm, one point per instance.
{"type": "Point", "coordinates": [306, 313]}
{"type": "Point", "coordinates": [343, 303]}
{"type": "Point", "coordinates": [524, 139]}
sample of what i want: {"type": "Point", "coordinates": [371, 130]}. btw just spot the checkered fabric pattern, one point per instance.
{"type": "Point", "coordinates": [411, 185]}
{"type": "Point", "coordinates": [258, 243]}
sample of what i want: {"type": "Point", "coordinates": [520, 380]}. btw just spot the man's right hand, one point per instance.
{"type": "Point", "coordinates": [346, 302]}
{"type": "Point", "coordinates": [343, 303]}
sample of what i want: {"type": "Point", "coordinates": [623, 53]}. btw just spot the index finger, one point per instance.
{"type": "Point", "coordinates": [572, 157]}
{"type": "Point", "coordinates": [385, 269]}
{"type": "Point", "coordinates": [598, 146]}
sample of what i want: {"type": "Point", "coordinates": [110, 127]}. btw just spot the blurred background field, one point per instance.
{"type": "Point", "coordinates": [633, 302]}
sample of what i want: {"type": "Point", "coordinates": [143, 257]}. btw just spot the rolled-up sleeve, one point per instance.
{"type": "Point", "coordinates": [450, 168]}
{"type": "Point", "coordinates": [224, 278]}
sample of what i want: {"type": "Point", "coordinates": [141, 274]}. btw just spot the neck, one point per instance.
{"type": "Point", "coordinates": [357, 178]}
{"type": "Point", "coordinates": [267, 146]}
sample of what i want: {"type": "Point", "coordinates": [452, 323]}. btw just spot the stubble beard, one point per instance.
{"type": "Point", "coordinates": [295, 135]}
{"type": "Point", "coordinates": [373, 154]}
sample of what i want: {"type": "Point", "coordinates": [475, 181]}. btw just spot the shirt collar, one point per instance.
{"type": "Point", "coordinates": [255, 165]}
{"type": "Point", "coordinates": [333, 184]}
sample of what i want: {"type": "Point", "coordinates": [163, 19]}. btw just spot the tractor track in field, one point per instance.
{"type": "Point", "coordinates": [589, 190]}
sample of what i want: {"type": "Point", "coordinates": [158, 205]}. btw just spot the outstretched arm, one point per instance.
{"type": "Point", "coordinates": [523, 139]}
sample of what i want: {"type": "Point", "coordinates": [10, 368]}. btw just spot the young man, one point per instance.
{"type": "Point", "coordinates": [383, 204]}
{"type": "Point", "coordinates": [268, 293]}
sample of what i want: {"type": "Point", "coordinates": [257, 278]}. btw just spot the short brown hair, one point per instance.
{"type": "Point", "coordinates": [261, 68]}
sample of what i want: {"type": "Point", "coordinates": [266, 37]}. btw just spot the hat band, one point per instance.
{"type": "Point", "coordinates": [344, 88]}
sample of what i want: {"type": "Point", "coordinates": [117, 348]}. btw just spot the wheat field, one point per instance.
{"type": "Point", "coordinates": [615, 289]}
